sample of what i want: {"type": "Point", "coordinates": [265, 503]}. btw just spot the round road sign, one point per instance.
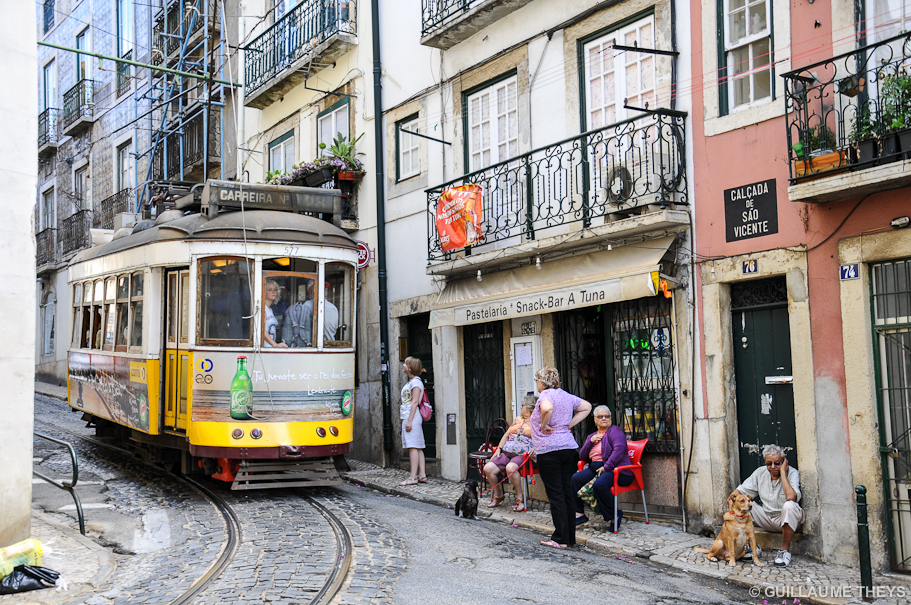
{"type": "Point", "coordinates": [363, 255]}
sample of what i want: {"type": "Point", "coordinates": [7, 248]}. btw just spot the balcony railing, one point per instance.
{"type": "Point", "coordinates": [192, 150]}
{"type": "Point", "coordinates": [78, 103]}
{"type": "Point", "coordinates": [122, 201]}
{"type": "Point", "coordinates": [47, 127]}
{"type": "Point", "coordinates": [177, 24]}
{"type": "Point", "coordinates": [850, 112]}
{"type": "Point", "coordinates": [124, 71]}
{"type": "Point", "coordinates": [604, 174]}
{"type": "Point", "coordinates": [437, 12]}
{"type": "Point", "coordinates": [44, 249]}
{"type": "Point", "coordinates": [296, 34]}
{"type": "Point", "coordinates": [76, 234]}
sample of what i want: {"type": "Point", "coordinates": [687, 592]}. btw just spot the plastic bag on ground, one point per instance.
{"type": "Point", "coordinates": [26, 552]}
{"type": "Point", "coordinates": [28, 577]}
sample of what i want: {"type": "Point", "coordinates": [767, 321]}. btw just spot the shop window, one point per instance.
{"type": "Point", "coordinates": [224, 301]}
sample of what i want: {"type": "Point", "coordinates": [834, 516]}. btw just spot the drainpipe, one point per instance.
{"type": "Point", "coordinates": [381, 222]}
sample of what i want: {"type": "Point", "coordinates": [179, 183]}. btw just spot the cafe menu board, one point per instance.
{"type": "Point", "coordinates": [751, 211]}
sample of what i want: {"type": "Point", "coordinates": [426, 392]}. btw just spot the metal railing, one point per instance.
{"type": "Point", "coordinates": [78, 102]}
{"type": "Point", "coordinates": [112, 206]}
{"type": "Point", "coordinates": [189, 146]}
{"type": "Point", "coordinates": [47, 127]}
{"type": "Point", "coordinates": [68, 486]}
{"type": "Point", "coordinates": [44, 246]}
{"type": "Point", "coordinates": [849, 112]}
{"type": "Point", "coordinates": [435, 13]}
{"type": "Point", "coordinates": [76, 234]}
{"type": "Point", "coordinates": [48, 15]}
{"type": "Point", "coordinates": [600, 174]}
{"type": "Point", "coordinates": [124, 74]}
{"type": "Point", "coordinates": [176, 23]}
{"type": "Point", "coordinates": [296, 34]}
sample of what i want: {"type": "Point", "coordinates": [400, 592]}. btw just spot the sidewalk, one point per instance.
{"type": "Point", "coordinates": [807, 580]}
{"type": "Point", "coordinates": [82, 563]}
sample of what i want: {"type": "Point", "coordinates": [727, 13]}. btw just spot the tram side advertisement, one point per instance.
{"type": "Point", "coordinates": [286, 387]}
{"type": "Point", "coordinates": [116, 388]}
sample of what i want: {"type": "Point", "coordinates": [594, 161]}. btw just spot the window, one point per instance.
{"type": "Point", "coordinates": [748, 57]}
{"type": "Point", "coordinates": [289, 298]}
{"type": "Point", "coordinates": [612, 76]}
{"type": "Point", "coordinates": [337, 303]}
{"type": "Point", "coordinates": [124, 167]}
{"type": "Point", "coordinates": [122, 334]}
{"type": "Point", "coordinates": [332, 123]}
{"type": "Point", "coordinates": [887, 18]}
{"type": "Point", "coordinates": [48, 313]}
{"type": "Point", "coordinates": [409, 146]}
{"type": "Point", "coordinates": [124, 27]}
{"type": "Point", "coordinates": [47, 210]}
{"type": "Point", "coordinates": [50, 85]}
{"type": "Point", "coordinates": [281, 153]}
{"type": "Point", "coordinates": [224, 301]}
{"type": "Point", "coordinates": [136, 311]}
{"type": "Point", "coordinates": [97, 315]}
{"type": "Point", "coordinates": [83, 62]}
{"type": "Point", "coordinates": [77, 315]}
{"type": "Point", "coordinates": [80, 183]}
{"type": "Point", "coordinates": [493, 124]}
{"type": "Point", "coordinates": [48, 15]}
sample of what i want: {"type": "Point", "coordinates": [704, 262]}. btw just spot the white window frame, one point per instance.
{"type": "Point", "coordinates": [49, 76]}
{"type": "Point", "coordinates": [77, 168]}
{"type": "Point", "coordinates": [48, 314]}
{"type": "Point", "coordinates": [119, 172]}
{"type": "Point", "coordinates": [409, 149]}
{"type": "Point", "coordinates": [125, 24]}
{"type": "Point", "coordinates": [642, 63]}
{"type": "Point", "coordinates": [881, 28]}
{"type": "Point", "coordinates": [748, 41]}
{"type": "Point", "coordinates": [475, 104]}
{"type": "Point", "coordinates": [286, 154]}
{"type": "Point", "coordinates": [86, 36]}
{"type": "Point", "coordinates": [335, 117]}
{"type": "Point", "coordinates": [48, 213]}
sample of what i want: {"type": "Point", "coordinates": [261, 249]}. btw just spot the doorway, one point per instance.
{"type": "Point", "coordinates": [762, 370]}
{"type": "Point", "coordinates": [485, 394]}
{"type": "Point", "coordinates": [420, 345]}
{"type": "Point", "coordinates": [177, 358]}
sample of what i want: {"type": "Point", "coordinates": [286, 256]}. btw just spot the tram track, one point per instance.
{"type": "Point", "coordinates": [344, 544]}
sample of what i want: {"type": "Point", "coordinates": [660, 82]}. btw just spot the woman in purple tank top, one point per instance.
{"type": "Point", "coordinates": [557, 451]}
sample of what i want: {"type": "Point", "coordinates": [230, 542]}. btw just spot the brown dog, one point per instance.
{"type": "Point", "coordinates": [735, 533]}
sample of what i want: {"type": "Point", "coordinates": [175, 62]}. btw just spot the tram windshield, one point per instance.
{"type": "Point", "coordinates": [224, 295]}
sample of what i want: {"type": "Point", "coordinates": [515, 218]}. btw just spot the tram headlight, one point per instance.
{"type": "Point", "coordinates": [320, 431]}
{"type": "Point", "coordinates": [334, 431]}
{"type": "Point", "coordinates": [237, 433]}
{"type": "Point", "coordinates": [256, 433]}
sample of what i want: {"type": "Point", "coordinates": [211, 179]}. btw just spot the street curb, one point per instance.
{"type": "Point", "coordinates": [593, 543]}
{"type": "Point", "coordinates": [42, 388]}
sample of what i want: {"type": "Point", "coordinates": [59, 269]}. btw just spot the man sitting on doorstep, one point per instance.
{"type": "Point", "coordinates": [778, 487]}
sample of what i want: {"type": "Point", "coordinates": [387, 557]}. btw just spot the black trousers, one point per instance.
{"type": "Point", "coordinates": [556, 470]}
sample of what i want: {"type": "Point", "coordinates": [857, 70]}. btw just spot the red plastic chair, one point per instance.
{"type": "Point", "coordinates": [635, 455]}
{"type": "Point", "coordinates": [479, 459]}
{"type": "Point", "coordinates": [527, 471]}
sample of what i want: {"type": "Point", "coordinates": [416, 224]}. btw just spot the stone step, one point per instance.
{"type": "Point", "coordinates": [770, 542]}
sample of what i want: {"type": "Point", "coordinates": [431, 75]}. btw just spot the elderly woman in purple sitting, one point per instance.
{"type": "Point", "coordinates": [604, 450]}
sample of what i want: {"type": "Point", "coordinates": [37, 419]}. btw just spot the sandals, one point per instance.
{"type": "Point", "coordinates": [409, 482]}
{"type": "Point", "coordinates": [495, 502]}
{"type": "Point", "coordinates": [422, 479]}
{"type": "Point", "coordinates": [553, 544]}
{"type": "Point", "coordinates": [519, 507]}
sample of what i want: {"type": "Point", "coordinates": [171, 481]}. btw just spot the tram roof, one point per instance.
{"type": "Point", "coordinates": [260, 226]}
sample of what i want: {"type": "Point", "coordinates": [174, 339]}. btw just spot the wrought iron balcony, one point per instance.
{"type": "Point", "coordinates": [177, 23]}
{"type": "Point", "coordinates": [44, 248]}
{"type": "Point", "coordinates": [122, 201]}
{"type": "Point", "coordinates": [124, 74]}
{"type": "Point", "coordinates": [445, 23]}
{"type": "Point", "coordinates": [76, 234]}
{"type": "Point", "coordinates": [47, 132]}
{"type": "Point", "coordinates": [312, 34]}
{"type": "Point", "coordinates": [633, 167]}
{"type": "Point", "coordinates": [850, 113]}
{"type": "Point", "coordinates": [187, 152]}
{"type": "Point", "coordinates": [78, 107]}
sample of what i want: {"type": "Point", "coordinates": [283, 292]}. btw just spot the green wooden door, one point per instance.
{"type": "Point", "coordinates": [485, 394]}
{"type": "Point", "coordinates": [765, 412]}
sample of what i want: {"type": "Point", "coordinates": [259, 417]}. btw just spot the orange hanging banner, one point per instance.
{"type": "Point", "coordinates": [459, 216]}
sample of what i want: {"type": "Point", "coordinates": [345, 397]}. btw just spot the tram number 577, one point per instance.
{"type": "Point", "coordinates": [291, 250]}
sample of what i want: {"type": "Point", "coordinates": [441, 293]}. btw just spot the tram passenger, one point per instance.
{"type": "Point", "coordinates": [330, 317]}
{"type": "Point", "coordinates": [270, 295]}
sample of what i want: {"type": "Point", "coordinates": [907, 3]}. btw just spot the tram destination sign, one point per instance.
{"type": "Point", "coordinates": [751, 211]}
{"type": "Point", "coordinates": [230, 195]}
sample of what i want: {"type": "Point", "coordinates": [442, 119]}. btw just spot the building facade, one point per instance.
{"type": "Point", "coordinates": [803, 277]}
{"type": "Point", "coordinates": [539, 211]}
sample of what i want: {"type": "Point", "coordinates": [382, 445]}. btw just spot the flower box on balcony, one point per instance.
{"type": "Point", "coordinates": [351, 175]}
{"type": "Point", "coordinates": [824, 162]}
{"type": "Point", "coordinates": [320, 177]}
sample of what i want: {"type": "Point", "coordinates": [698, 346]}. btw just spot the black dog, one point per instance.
{"type": "Point", "coordinates": [468, 501]}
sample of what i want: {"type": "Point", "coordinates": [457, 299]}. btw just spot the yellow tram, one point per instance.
{"type": "Point", "coordinates": [165, 312]}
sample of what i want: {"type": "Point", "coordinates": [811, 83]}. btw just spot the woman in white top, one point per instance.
{"type": "Point", "coordinates": [412, 430]}
{"type": "Point", "coordinates": [270, 295]}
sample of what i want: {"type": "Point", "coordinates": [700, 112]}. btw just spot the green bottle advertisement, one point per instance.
{"type": "Point", "coordinates": [241, 392]}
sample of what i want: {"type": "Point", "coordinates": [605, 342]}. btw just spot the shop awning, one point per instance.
{"type": "Point", "coordinates": [598, 278]}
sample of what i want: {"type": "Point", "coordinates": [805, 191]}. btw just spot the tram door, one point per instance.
{"type": "Point", "coordinates": [177, 358]}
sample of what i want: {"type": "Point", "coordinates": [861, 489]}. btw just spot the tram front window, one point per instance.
{"type": "Point", "coordinates": [337, 323]}
{"type": "Point", "coordinates": [288, 318]}
{"type": "Point", "coordinates": [224, 301]}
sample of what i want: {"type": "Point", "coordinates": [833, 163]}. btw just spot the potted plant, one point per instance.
{"type": "Point", "coordinates": [863, 136]}
{"type": "Point", "coordinates": [895, 97]}
{"type": "Point", "coordinates": [340, 162]}
{"type": "Point", "coordinates": [815, 151]}
{"type": "Point", "coordinates": [343, 149]}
